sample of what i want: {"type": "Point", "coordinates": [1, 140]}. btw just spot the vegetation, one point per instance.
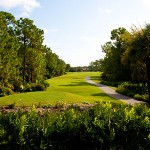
{"type": "Point", "coordinates": [104, 126]}
{"type": "Point", "coordinates": [128, 57]}
{"type": "Point", "coordinates": [23, 57]}
{"type": "Point", "coordinates": [69, 88]}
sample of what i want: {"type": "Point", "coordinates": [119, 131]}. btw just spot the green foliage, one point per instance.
{"type": "Point", "coordinates": [45, 83]}
{"type": "Point", "coordinates": [111, 65]}
{"type": "Point", "coordinates": [34, 87]}
{"type": "Point", "coordinates": [134, 90]}
{"type": "Point", "coordinates": [5, 91]}
{"type": "Point", "coordinates": [143, 97]}
{"type": "Point", "coordinates": [110, 83]}
{"type": "Point", "coordinates": [39, 87]}
{"type": "Point", "coordinates": [11, 106]}
{"type": "Point", "coordinates": [60, 105]}
{"type": "Point", "coordinates": [27, 88]}
{"type": "Point", "coordinates": [95, 65]}
{"type": "Point", "coordinates": [104, 126]}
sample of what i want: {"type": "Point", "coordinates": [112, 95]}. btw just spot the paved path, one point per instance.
{"type": "Point", "coordinates": [113, 93]}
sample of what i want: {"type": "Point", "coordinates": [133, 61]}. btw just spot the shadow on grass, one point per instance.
{"type": "Point", "coordinates": [95, 77]}
{"type": "Point", "coordinates": [100, 94]}
{"type": "Point", "coordinates": [77, 84]}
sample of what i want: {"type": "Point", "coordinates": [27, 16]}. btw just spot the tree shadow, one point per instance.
{"type": "Point", "coordinates": [100, 94]}
{"type": "Point", "coordinates": [95, 78]}
{"type": "Point", "coordinates": [77, 84]}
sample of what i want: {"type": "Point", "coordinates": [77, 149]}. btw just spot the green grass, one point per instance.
{"type": "Point", "coordinates": [69, 88]}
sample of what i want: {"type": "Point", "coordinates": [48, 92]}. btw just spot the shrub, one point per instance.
{"type": "Point", "coordinates": [123, 90]}
{"type": "Point", "coordinates": [27, 88]}
{"type": "Point", "coordinates": [34, 87]}
{"type": "Point", "coordinates": [45, 83]}
{"type": "Point", "coordinates": [11, 106]}
{"type": "Point", "coordinates": [59, 105]}
{"type": "Point", "coordinates": [10, 86]}
{"type": "Point", "coordinates": [111, 83]}
{"type": "Point", "coordinates": [17, 86]}
{"type": "Point", "coordinates": [5, 91]}
{"type": "Point", "coordinates": [131, 89]}
{"type": "Point", "coordinates": [104, 126]}
{"type": "Point", "coordinates": [143, 97]}
{"type": "Point", "coordinates": [40, 87]}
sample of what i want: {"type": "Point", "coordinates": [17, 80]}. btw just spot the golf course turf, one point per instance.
{"type": "Point", "coordinates": [69, 88]}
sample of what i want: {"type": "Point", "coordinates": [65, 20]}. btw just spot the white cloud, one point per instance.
{"type": "Point", "coordinates": [26, 6]}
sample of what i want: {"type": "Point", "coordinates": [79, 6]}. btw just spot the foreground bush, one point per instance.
{"type": "Point", "coordinates": [105, 126]}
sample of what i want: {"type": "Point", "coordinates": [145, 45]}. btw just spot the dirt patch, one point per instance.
{"type": "Point", "coordinates": [42, 109]}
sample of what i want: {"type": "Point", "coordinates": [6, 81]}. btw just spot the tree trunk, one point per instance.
{"type": "Point", "coordinates": [148, 77]}
{"type": "Point", "coordinates": [24, 59]}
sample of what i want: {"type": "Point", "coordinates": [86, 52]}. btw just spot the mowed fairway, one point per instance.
{"type": "Point", "coordinates": [69, 88]}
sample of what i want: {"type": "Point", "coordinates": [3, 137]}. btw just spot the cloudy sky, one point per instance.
{"type": "Point", "coordinates": [76, 29]}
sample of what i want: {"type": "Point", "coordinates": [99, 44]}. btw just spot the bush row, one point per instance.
{"type": "Point", "coordinates": [9, 89]}
{"type": "Point", "coordinates": [104, 126]}
{"type": "Point", "coordinates": [136, 91]}
{"type": "Point", "coordinates": [110, 83]}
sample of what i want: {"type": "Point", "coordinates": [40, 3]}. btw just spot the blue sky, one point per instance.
{"type": "Point", "coordinates": [76, 29]}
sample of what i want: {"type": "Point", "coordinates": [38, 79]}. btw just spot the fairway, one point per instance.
{"type": "Point", "coordinates": [69, 88]}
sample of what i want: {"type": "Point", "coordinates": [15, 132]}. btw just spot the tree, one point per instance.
{"type": "Point", "coordinates": [112, 67]}
{"type": "Point", "coordinates": [31, 52]}
{"type": "Point", "coordinates": [95, 65]}
{"type": "Point", "coordinates": [138, 52]}
{"type": "Point", "coordinates": [9, 64]}
{"type": "Point", "coordinates": [67, 67]}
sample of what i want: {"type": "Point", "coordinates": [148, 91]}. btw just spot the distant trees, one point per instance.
{"type": "Point", "coordinates": [95, 65]}
{"type": "Point", "coordinates": [23, 57]}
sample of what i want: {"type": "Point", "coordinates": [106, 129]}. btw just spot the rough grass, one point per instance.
{"type": "Point", "coordinates": [69, 88]}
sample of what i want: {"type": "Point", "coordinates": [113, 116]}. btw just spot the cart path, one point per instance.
{"type": "Point", "coordinates": [113, 93]}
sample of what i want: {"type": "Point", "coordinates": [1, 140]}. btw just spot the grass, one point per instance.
{"type": "Point", "coordinates": [69, 88]}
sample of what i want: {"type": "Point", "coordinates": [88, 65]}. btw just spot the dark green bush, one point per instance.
{"type": "Point", "coordinates": [133, 90]}
{"type": "Point", "coordinates": [143, 97]}
{"type": "Point", "coordinates": [27, 88]}
{"type": "Point", "coordinates": [124, 90]}
{"type": "Point", "coordinates": [45, 83]}
{"type": "Point", "coordinates": [110, 83]}
{"type": "Point", "coordinates": [40, 87]}
{"type": "Point", "coordinates": [34, 87]}
{"type": "Point", "coordinates": [5, 91]}
{"type": "Point", "coordinates": [17, 86]}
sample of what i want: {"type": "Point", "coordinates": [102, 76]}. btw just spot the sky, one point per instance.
{"type": "Point", "coordinates": [76, 29]}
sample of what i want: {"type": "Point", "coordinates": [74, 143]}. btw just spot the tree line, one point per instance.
{"type": "Point", "coordinates": [127, 56]}
{"type": "Point", "coordinates": [23, 57]}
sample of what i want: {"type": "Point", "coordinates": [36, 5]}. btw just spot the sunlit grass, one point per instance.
{"type": "Point", "coordinates": [69, 88]}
